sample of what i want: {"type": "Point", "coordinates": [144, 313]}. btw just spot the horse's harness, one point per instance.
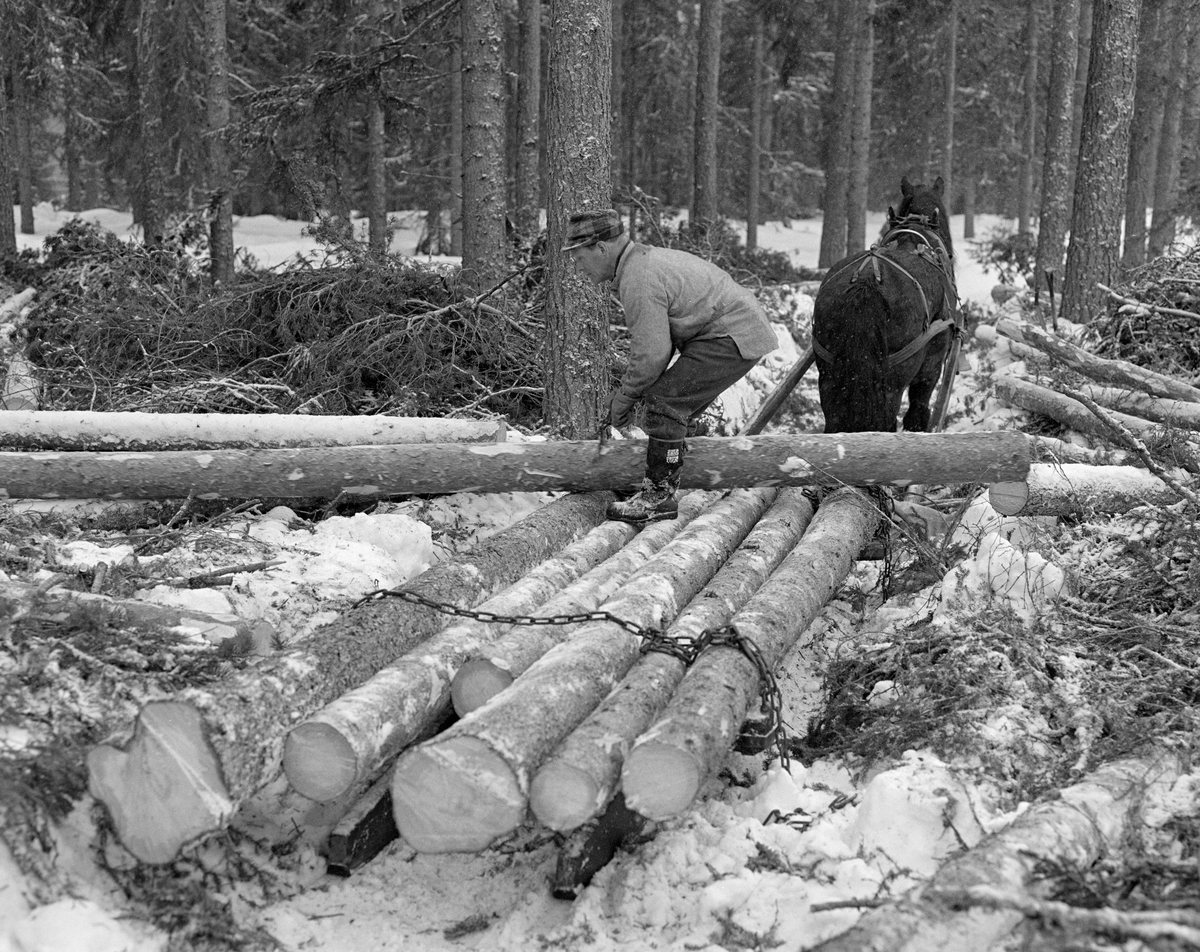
{"type": "Point", "coordinates": [930, 247]}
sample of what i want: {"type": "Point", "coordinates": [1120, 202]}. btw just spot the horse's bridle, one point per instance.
{"type": "Point", "coordinates": [927, 237]}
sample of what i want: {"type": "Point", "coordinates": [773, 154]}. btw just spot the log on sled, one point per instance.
{"type": "Point", "coordinates": [857, 459]}
{"type": "Point", "coordinates": [1074, 488]}
{"type": "Point", "coordinates": [191, 760]}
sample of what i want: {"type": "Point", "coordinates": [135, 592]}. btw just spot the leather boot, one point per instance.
{"type": "Point", "coordinates": [655, 501]}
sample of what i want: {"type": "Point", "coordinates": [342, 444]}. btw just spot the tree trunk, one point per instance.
{"type": "Point", "coordinates": [1057, 161]}
{"type": "Point", "coordinates": [376, 172]}
{"type": "Point", "coordinates": [1083, 62]}
{"type": "Point", "coordinates": [969, 205]}
{"type": "Point", "coordinates": [1028, 151]}
{"type": "Point", "coordinates": [82, 430]}
{"type": "Point", "coordinates": [1073, 489]}
{"type": "Point", "coordinates": [1092, 257]}
{"type": "Point", "coordinates": [512, 653]}
{"type": "Point", "coordinates": [193, 759]}
{"type": "Point", "coordinates": [841, 129]}
{"type": "Point", "coordinates": [754, 153]}
{"type": "Point", "coordinates": [1037, 399]}
{"type": "Point", "coordinates": [1143, 132]}
{"type": "Point", "coordinates": [670, 762]}
{"type": "Point", "coordinates": [24, 142]}
{"type": "Point", "coordinates": [484, 242]}
{"type": "Point", "coordinates": [151, 198]}
{"type": "Point", "coordinates": [1081, 825]}
{"type": "Point", "coordinates": [579, 147]}
{"type": "Point", "coordinates": [1185, 46]}
{"type": "Point", "coordinates": [468, 787]}
{"type": "Point", "coordinates": [582, 775]}
{"type": "Point", "coordinates": [529, 93]}
{"type": "Point", "coordinates": [1118, 372]}
{"type": "Point", "coordinates": [8, 227]}
{"type": "Point", "coordinates": [220, 205]}
{"type": "Point", "coordinates": [714, 463]}
{"type": "Point", "coordinates": [347, 741]}
{"type": "Point", "coordinates": [950, 95]}
{"type": "Point", "coordinates": [858, 179]}
{"type": "Point", "coordinates": [456, 144]}
{"type": "Point", "coordinates": [706, 124]}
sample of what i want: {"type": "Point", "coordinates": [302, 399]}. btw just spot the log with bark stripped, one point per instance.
{"type": "Point", "coordinates": [193, 759]}
{"type": "Point", "coordinates": [1073, 488]}
{"type": "Point", "coordinates": [347, 741]}
{"type": "Point", "coordinates": [713, 463]}
{"type": "Point", "coordinates": [468, 787]}
{"type": "Point", "coordinates": [1118, 372]}
{"type": "Point", "coordinates": [1038, 399]}
{"type": "Point", "coordinates": [581, 776]}
{"type": "Point", "coordinates": [72, 430]}
{"type": "Point", "coordinates": [1084, 823]}
{"type": "Point", "coordinates": [1052, 450]}
{"type": "Point", "coordinates": [493, 670]}
{"type": "Point", "coordinates": [1181, 413]}
{"type": "Point", "coordinates": [671, 761]}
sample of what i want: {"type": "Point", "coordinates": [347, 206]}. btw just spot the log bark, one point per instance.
{"type": "Point", "coordinates": [21, 390]}
{"type": "Point", "coordinates": [670, 762]}
{"type": "Point", "coordinates": [1074, 488]}
{"type": "Point", "coordinates": [468, 787]}
{"type": "Point", "coordinates": [1038, 399]}
{"type": "Point", "coordinates": [493, 670]}
{"type": "Point", "coordinates": [193, 759]}
{"type": "Point", "coordinates": [1118, 372]}
{"type": "Point", "coordinates": [857, 459]}
{"type": "Point", "coordinates": [581, 776]}
{"type": "Point", "coordinates": [348, 740]}
{"type": "Point", "coordinates": [75, 430]}
{"type": "Point", "coordinates": [1163, 410]}
{"type": "Point", "coordinates": [1086, 822]}
{"type": "Point", "coordinates": [1052, 450]}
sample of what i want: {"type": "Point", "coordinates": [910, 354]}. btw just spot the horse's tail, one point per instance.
{"type": "Point", "coordinates": [850, 325]}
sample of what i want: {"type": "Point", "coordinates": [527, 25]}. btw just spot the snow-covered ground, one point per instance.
{"type": "Point", "coordinates": [722, 875]}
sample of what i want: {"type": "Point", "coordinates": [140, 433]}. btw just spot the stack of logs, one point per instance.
{"type": "Point", "coordinates": [1126, 405]}
{"type": "Point", "coordinates": [463, 730]}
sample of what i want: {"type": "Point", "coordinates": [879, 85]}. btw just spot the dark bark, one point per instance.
{"type": "Point", "coordinates": [1025, 195]}
{"type": "Point", "coordinates": [860, 138]}
{"type": "Point", "coordinates": [1185, 47]}
{"type": "Point", "coordinates": [753, 184]}
{"type": "Point", "coordinates": [151, 198]}
{"type": "Point", "coordinates": [220, 182]}
{"type": "Point", "coordinates": [1144, 129]}
{"type": "Point", "coordinates": [951, 93]}
{"type": "Point", "coordinates": [837, 147]}
{"type": "Point", "coordinates": [21, 126]}
{"type": "Point", "coordinates": [529, 96]}
{"type": "Point", "coordinates": [708, 74]}
{"type": "Point", "coordinates": [8, 228]}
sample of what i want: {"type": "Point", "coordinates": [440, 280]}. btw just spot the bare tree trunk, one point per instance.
{"type": "Point", "coordinates": [1144, 129]}
{"type": "Point", "coordinates": [1082, 68]}
{"type": "Point", "coordinates": [860, 139]}
{"type": "Point", "coordinates": [1092, 257]}
{"type": "Point", "coordinates": [20, 121]}
{"type": "Point", "coordinates": [579, 147]}
{"type": "Point", "coordinates": [754, 153]}
{"type": "Point", "coordinates": [220, 183]}
{"type": "Point", "coordinates": [456, 145]}
{"type": "Point", "coordinates": [1185, 47]}
{"type": "Point", "coordinates": [951, 92]}
{"type": "Point", "coordinates": [1057, 162]}
{"type": "Point", "coordinates": [529, 92]}
{"type": "Point", "coordinates": [1025, 196]}
{"type": "Point", "coordinates": [151, 212]}
{"type": "Point", "coordinates": [484, 242]}
{"type": "Point", "coordinates": [837, 144]}
{"type": "Point", "coordinates": [969, 204]}
{"type": "Point", "coordinates": [8, 228]}
{"type": "Point", "coordinates": [707, 117]}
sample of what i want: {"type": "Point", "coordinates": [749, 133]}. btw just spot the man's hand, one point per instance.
{"type": "Point", "coordinates": [620, 409]}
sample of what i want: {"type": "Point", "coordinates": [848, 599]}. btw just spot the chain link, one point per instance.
{"type": "Point", "coordinates": [687, 649]}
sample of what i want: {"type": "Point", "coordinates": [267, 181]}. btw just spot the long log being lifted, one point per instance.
{"type": "Point", "coordinates": [193, 759]}
{"type": "Point", "coordinates": [346, 741]}
{"type": "Point", "coordinates": [498, 664]}
{"type": "Point", "coordinates": [468, 787]}
{"type": "Point", "coordinates": [1072, 488]}
{"type": "Point", "coordinates": [1081, 825]}
{"type": "Point", "coordinates": [582, 775]}
{"type": "Point", "coordinates": [1118, 372]}
{"type": "Point", "coordinates": [74, 430]}
{"type": "Point", "coordinates": [671, 761]}
{"type": "Point", "coordinates": [857, 459]}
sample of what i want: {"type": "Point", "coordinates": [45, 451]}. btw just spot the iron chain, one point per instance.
{"type": "Point", "coordinates": [686, 649]}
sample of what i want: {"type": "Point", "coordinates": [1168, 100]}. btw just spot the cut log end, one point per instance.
{"type": "Point", "coordinates": [319, 762]}
{"type": "Point", "coordinates": [659, 780]}
{"type": "Point", "coordinates": [476, 683]}
{"type": "Point", "coordinates": [164, 788]}
{"type": "Point", "coordinates": [563, 797]}
{"type": "Point", "coordinates": [458, 796]}
{"type": "Point", "coordinates": [1009, 498]}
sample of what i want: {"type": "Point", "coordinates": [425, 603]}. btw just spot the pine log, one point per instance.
{"type": "Point", "coordinates": [580, 778]}
{"type": "Point", "coordinates": [670, 762]}
{"type": "Point", "coordinates": [1038, 399]}
{"type": "Point", "coordinates": [1073, 488]}
{"type": "Point", "coordinates": [1084, 823]}
{"type": "Point", "coordinates": [1179, 413]}
{"type": "Point", "coordinates": [468, 787]}
{"type": "Point", "coordinates": [21, 390]}
{"type": "Point", "coordinates": [1118, 372]}
{"type": "Point", "coordinates": [858, 459]}
{"type": "Point", "coordinates": [1052, 450]}
{"type": "Point", "coordinates": [193, 759]}
{"type": "Point", "coordinates": [76, 430]}
{"type": "Point", "coordinates": [495, 668]}
{"type": "Point", "coordinates": [348, 740]}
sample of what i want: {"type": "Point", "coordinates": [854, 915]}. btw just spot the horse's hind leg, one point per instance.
{"type": "Point", "coordinates": [920, 391]}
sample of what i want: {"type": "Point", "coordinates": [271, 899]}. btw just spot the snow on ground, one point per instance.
{"type": "Point", "coordinates": [742, 868]}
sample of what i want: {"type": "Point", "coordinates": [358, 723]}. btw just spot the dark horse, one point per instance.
{"type": "Point", "coordinates": [884, 320]}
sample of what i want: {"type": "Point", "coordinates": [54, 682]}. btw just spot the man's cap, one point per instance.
{"type": "Point", "coordinates": [586, 228]}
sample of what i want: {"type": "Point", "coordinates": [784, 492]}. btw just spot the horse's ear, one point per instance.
{"type": "Point", "coordinates": [891, 213]}
{"type": "Point", "coordinates": [939, 185]}
{"type": "Point", "coordinates": [906, 188]}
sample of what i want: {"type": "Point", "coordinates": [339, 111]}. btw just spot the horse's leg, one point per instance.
{"type": "Point", "coordinates": [920, 390]}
